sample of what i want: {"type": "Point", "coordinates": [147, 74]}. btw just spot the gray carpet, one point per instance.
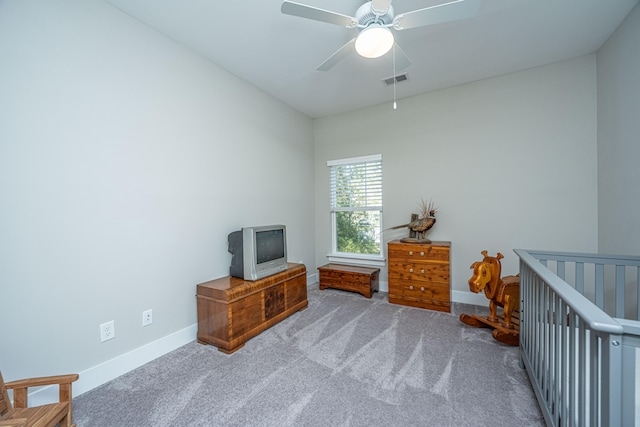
{"type": "Point", "coordinates": [344, 361]}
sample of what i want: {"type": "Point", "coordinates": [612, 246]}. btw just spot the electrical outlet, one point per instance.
{"type": "Point", "coordinates": [107, 331]}
{"type": "Point", "coordinates": [147, 317]}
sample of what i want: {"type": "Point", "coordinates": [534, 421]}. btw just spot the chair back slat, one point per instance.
{"type": "Point", "coordinates": [5, 403]}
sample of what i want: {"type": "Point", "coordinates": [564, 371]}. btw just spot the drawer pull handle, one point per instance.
{"type": "Point", "coordinates": [411, 270]}
{"type": "Point", "coordinates": [422, 288]}
{"type": "Point", "coordinates": [421, 253]}
{"type": "Point", "coordinates": [422, 271]}
{"type": "Point", "coordinates": [410, 252]}
{"type": "Point", "coordinates": [411, 287]}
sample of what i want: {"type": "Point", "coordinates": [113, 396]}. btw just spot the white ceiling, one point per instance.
{"type": "Point", "coordinates": [280, 53]}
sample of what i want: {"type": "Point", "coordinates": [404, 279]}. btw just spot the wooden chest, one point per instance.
{"type": "Point", "coordinates": [419, 274]}
{"type": "Point", "coordinates": [232, 310]}
{"type": "Point", "coordinates": [363, 280]}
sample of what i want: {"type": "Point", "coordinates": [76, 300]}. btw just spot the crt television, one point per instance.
{"type": "Point", "coordinates": [258, 252]}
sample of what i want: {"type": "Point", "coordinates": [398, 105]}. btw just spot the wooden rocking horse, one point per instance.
{"type": "Point", "coordinates": [502, 292]}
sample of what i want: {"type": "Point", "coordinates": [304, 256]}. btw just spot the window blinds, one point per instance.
{"type": "Point", "coordinates": [356, 185]}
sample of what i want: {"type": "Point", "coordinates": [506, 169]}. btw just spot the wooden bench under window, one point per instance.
{"type": "Point", "coordinates": [363, 280]}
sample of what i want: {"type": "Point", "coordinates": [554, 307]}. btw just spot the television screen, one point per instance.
{"type": "Point", "coordinates": [269, 245]}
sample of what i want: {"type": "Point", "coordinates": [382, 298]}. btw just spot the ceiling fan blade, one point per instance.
{"type": "Point", "coordinates": [310, 12]}
{"type": "Point", "coordinates": [338, 55]}
{"type": "Point", "coordinates": [380, 7]}
{"type": "Point", "coordinates": [450, 11]}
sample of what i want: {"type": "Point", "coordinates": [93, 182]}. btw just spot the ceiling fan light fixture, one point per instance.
{"type": "Point", "coordinates": [374, 41]}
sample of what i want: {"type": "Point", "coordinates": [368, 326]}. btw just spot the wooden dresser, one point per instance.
{"type": "Point", "coordinates": [419, 274]}
{"type": "Point", "coordinates": [232, 310]}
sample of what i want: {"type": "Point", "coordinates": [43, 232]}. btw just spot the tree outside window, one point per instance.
{"type": "Point", "coordinates": [356, 205]}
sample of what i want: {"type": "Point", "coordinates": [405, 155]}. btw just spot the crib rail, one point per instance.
{"type": "Point", "coordinates": [572, 349]}
{"type": "Point", "coordinates": [611, 282]}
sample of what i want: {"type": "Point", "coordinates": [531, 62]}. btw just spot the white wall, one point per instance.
{"type": "Point", "coordinates": [510, 162]}
{"type": "Point", "coordinates": [619, 139]}
{"type": "Point", "coordinates": [125, 160]}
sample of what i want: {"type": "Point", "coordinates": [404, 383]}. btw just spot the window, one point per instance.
{"type": "Point", "coordinates": [356, 208]}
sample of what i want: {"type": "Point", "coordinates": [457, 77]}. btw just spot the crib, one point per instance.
{"type": "Point", "coordinates": [580, 336]}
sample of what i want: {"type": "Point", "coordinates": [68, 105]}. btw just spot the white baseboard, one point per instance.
{"type": "Point", "coordinates": [111, 369]}
{"type": "Point", "coordinates": [312, 279]}
{"type": "Point", "coordinates": [465, 297]}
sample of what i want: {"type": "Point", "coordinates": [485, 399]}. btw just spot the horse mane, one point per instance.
{"type": "Point", "coordinates": [496, 267]}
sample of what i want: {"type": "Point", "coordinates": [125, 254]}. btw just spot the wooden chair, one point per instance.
{"type": "Point", "coordinates": [46, 415]}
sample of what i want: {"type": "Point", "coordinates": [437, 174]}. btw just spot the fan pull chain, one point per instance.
{"type": "Point", "coordinates": [395, 106]}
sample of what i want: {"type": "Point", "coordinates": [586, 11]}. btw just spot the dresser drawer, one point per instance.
{"type": "Point", "coordinates": [418, 253]}
{"type": "Point", "coordinates": [415, 290]}
{"type": "Point", "coordinates": [430, 304]}
{"type": "Point", "coordinates": [424, 272]}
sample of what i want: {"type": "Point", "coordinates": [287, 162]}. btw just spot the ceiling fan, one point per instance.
{"type": "Point", "coordinates": [375, 19]}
